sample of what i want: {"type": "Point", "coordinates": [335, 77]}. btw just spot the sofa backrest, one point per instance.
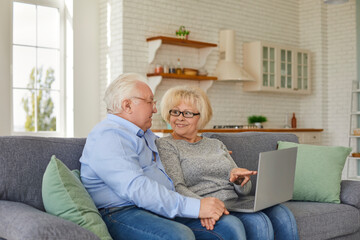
{"type": "Point", "coordinates": [246, 146]}
{"type": "Point", "coordinates": [23, 161]}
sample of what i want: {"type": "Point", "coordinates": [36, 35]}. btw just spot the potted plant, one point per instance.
{"type": "Point", "coordinates": [257, 120]}
{"type": "Point", "coordinates": [182, 33]}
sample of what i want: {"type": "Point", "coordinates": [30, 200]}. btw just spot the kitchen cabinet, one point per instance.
{"type": "Point", "coordinates": [204, 49]}
{"type": "Point", "coordinates": [277, 68]}
{"type": "Point", "coordinates": [309, 137]}
{"type": "Point", "coordinates": [305, 135]}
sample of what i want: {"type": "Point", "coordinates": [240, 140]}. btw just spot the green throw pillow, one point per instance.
{"type": "Point", "coordinates": [65, 196]}
{"type": "Point", "coordinates": [318, 171]}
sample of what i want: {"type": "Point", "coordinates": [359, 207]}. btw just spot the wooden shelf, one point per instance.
{"type": "Point", "coordinates": [182, 76]}
{"type": "Point", "coordinates": [203, 51]}
{"type": "Point", "coordinates": [181, 42]}
{"type": "Point", "coordinates": [231, 130]}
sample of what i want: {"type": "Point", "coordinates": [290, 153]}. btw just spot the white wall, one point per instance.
{"type": "Point", "coordinates": [312, 30]}
{"type": "Point", "coordinates": [111, 46]}
{"type": "Point", "coordinates": [86, 66]}
{"type": "Point", "coordinates": [341, 68]}
{"type": "Point", "coordinates": [328, 31]}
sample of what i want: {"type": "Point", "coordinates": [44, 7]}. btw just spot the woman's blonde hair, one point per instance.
{"type": "Point", "coordinates": [119, 89]}
{"type": "Point", "coordinates": [189, 95]}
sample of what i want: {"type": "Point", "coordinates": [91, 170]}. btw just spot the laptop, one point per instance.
{"type": "Point", "coordinates": [275, 182]}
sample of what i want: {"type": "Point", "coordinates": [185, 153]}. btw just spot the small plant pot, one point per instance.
{"type": "Point", "coordinates": [258, 125]}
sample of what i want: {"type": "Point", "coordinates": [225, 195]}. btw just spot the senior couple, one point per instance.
{"type": "Point", "coordinates": [173, 187]}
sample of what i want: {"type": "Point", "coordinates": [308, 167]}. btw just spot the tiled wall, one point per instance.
{"type": "Point", "coordinates": [327, 31]}
{"type": "Point", "coordinates": [341, 70]}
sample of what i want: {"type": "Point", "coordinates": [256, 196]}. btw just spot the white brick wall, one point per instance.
{"type": "Point", "coordinates": [111, 45]}
{"type": "Point", "coordinates": [341, 69]}
{"type": "Point", "coordinates": [312, 37]}
{"type": "Point", "coordinates": [327, 31]}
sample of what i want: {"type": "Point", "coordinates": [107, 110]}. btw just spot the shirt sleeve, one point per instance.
{"type": "Point", "coordinates": [116, 161]}
{"type": "Point", "coordinates": [169, 156]}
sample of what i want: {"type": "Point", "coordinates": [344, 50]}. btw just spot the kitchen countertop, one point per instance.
{"type": "Point", "coordinates": [230, 130]}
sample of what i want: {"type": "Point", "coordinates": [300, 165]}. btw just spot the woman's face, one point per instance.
{"type": "Point", "coordinates": [182, 126]}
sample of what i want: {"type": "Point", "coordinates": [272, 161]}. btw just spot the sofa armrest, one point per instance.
{"type": "Point", "coordinates": [350, 193]}
{"type": "Point", "coordinates": [21, 221]}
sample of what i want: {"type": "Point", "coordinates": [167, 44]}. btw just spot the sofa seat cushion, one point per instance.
{"type": "Point", "coordinates": [21, 221]}
{"type": "Point", "coordinates": [324, 220]}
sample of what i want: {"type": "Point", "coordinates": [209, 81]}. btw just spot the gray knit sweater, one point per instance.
{"type": "Point", "coordinates": [200, 169]}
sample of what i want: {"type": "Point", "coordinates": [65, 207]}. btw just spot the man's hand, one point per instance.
{"type": "Point", "coordinates": [211, 207]}
{"type": "Point", "coordinates": [241, 175]}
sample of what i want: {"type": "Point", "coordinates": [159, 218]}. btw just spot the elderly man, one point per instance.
{"type": "Point", "coordinates": [122, 171]}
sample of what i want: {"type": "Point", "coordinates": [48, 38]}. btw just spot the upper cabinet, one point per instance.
{"type": "Point", "coordinates": [277, 68]}
{"type": "Point", "coordinates": [204, 49]}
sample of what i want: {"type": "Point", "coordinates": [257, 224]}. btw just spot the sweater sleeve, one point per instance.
{"type": "Point", "coordinates": [169, 156]}
{"type": "Point", "coordinates": [241, 191]}
{"type": "Point", "coordinates": [245, 190]}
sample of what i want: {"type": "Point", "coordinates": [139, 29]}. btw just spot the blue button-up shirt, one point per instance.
{"type": "Point", "coordinates": [120, 166]}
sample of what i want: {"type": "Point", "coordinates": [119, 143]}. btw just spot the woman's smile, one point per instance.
{"type": "Point", "coordinates": [181, 125]}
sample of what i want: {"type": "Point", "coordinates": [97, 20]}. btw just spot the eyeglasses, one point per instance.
{"type": "Point", "coordinates": [186, 114]}
{"type": "Point", "coordinates": [153, 102]}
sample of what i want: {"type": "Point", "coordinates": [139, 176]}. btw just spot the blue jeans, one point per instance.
{"type": "Point", "coordinates": [275, 221]}
{"type": "Point", "coordinates": [135, 223]}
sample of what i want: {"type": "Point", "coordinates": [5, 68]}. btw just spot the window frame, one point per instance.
{"type": "Point", "coordinates": [61, 132]}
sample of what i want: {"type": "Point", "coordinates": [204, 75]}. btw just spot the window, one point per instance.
{"type": "Point", "coordinates": [38, 68]}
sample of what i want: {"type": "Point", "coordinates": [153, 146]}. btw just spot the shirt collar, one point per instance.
{"type": "Point", "coordinates": [140, 133]}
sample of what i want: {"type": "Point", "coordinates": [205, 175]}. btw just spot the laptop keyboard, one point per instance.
{"type": "Point", "coordinates": [249, 204]}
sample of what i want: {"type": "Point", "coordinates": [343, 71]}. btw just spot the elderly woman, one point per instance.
{"type": "Point", "coordinates": [202, 167]}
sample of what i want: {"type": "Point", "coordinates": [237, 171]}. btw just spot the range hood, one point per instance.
{"type": "Point", "coordinates": [227, 69]}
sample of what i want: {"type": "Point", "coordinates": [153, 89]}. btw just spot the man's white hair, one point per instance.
{"type": "Point", "coordinates": [121, 88]}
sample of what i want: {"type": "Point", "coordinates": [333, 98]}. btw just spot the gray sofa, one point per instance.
{"type": "Point", "coordinates": [23, 161]}
{"type": "Point", "coordinates": [314, 220]}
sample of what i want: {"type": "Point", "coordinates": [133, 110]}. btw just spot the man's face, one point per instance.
{"type": "Point", "coordinates": [143, 106]}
